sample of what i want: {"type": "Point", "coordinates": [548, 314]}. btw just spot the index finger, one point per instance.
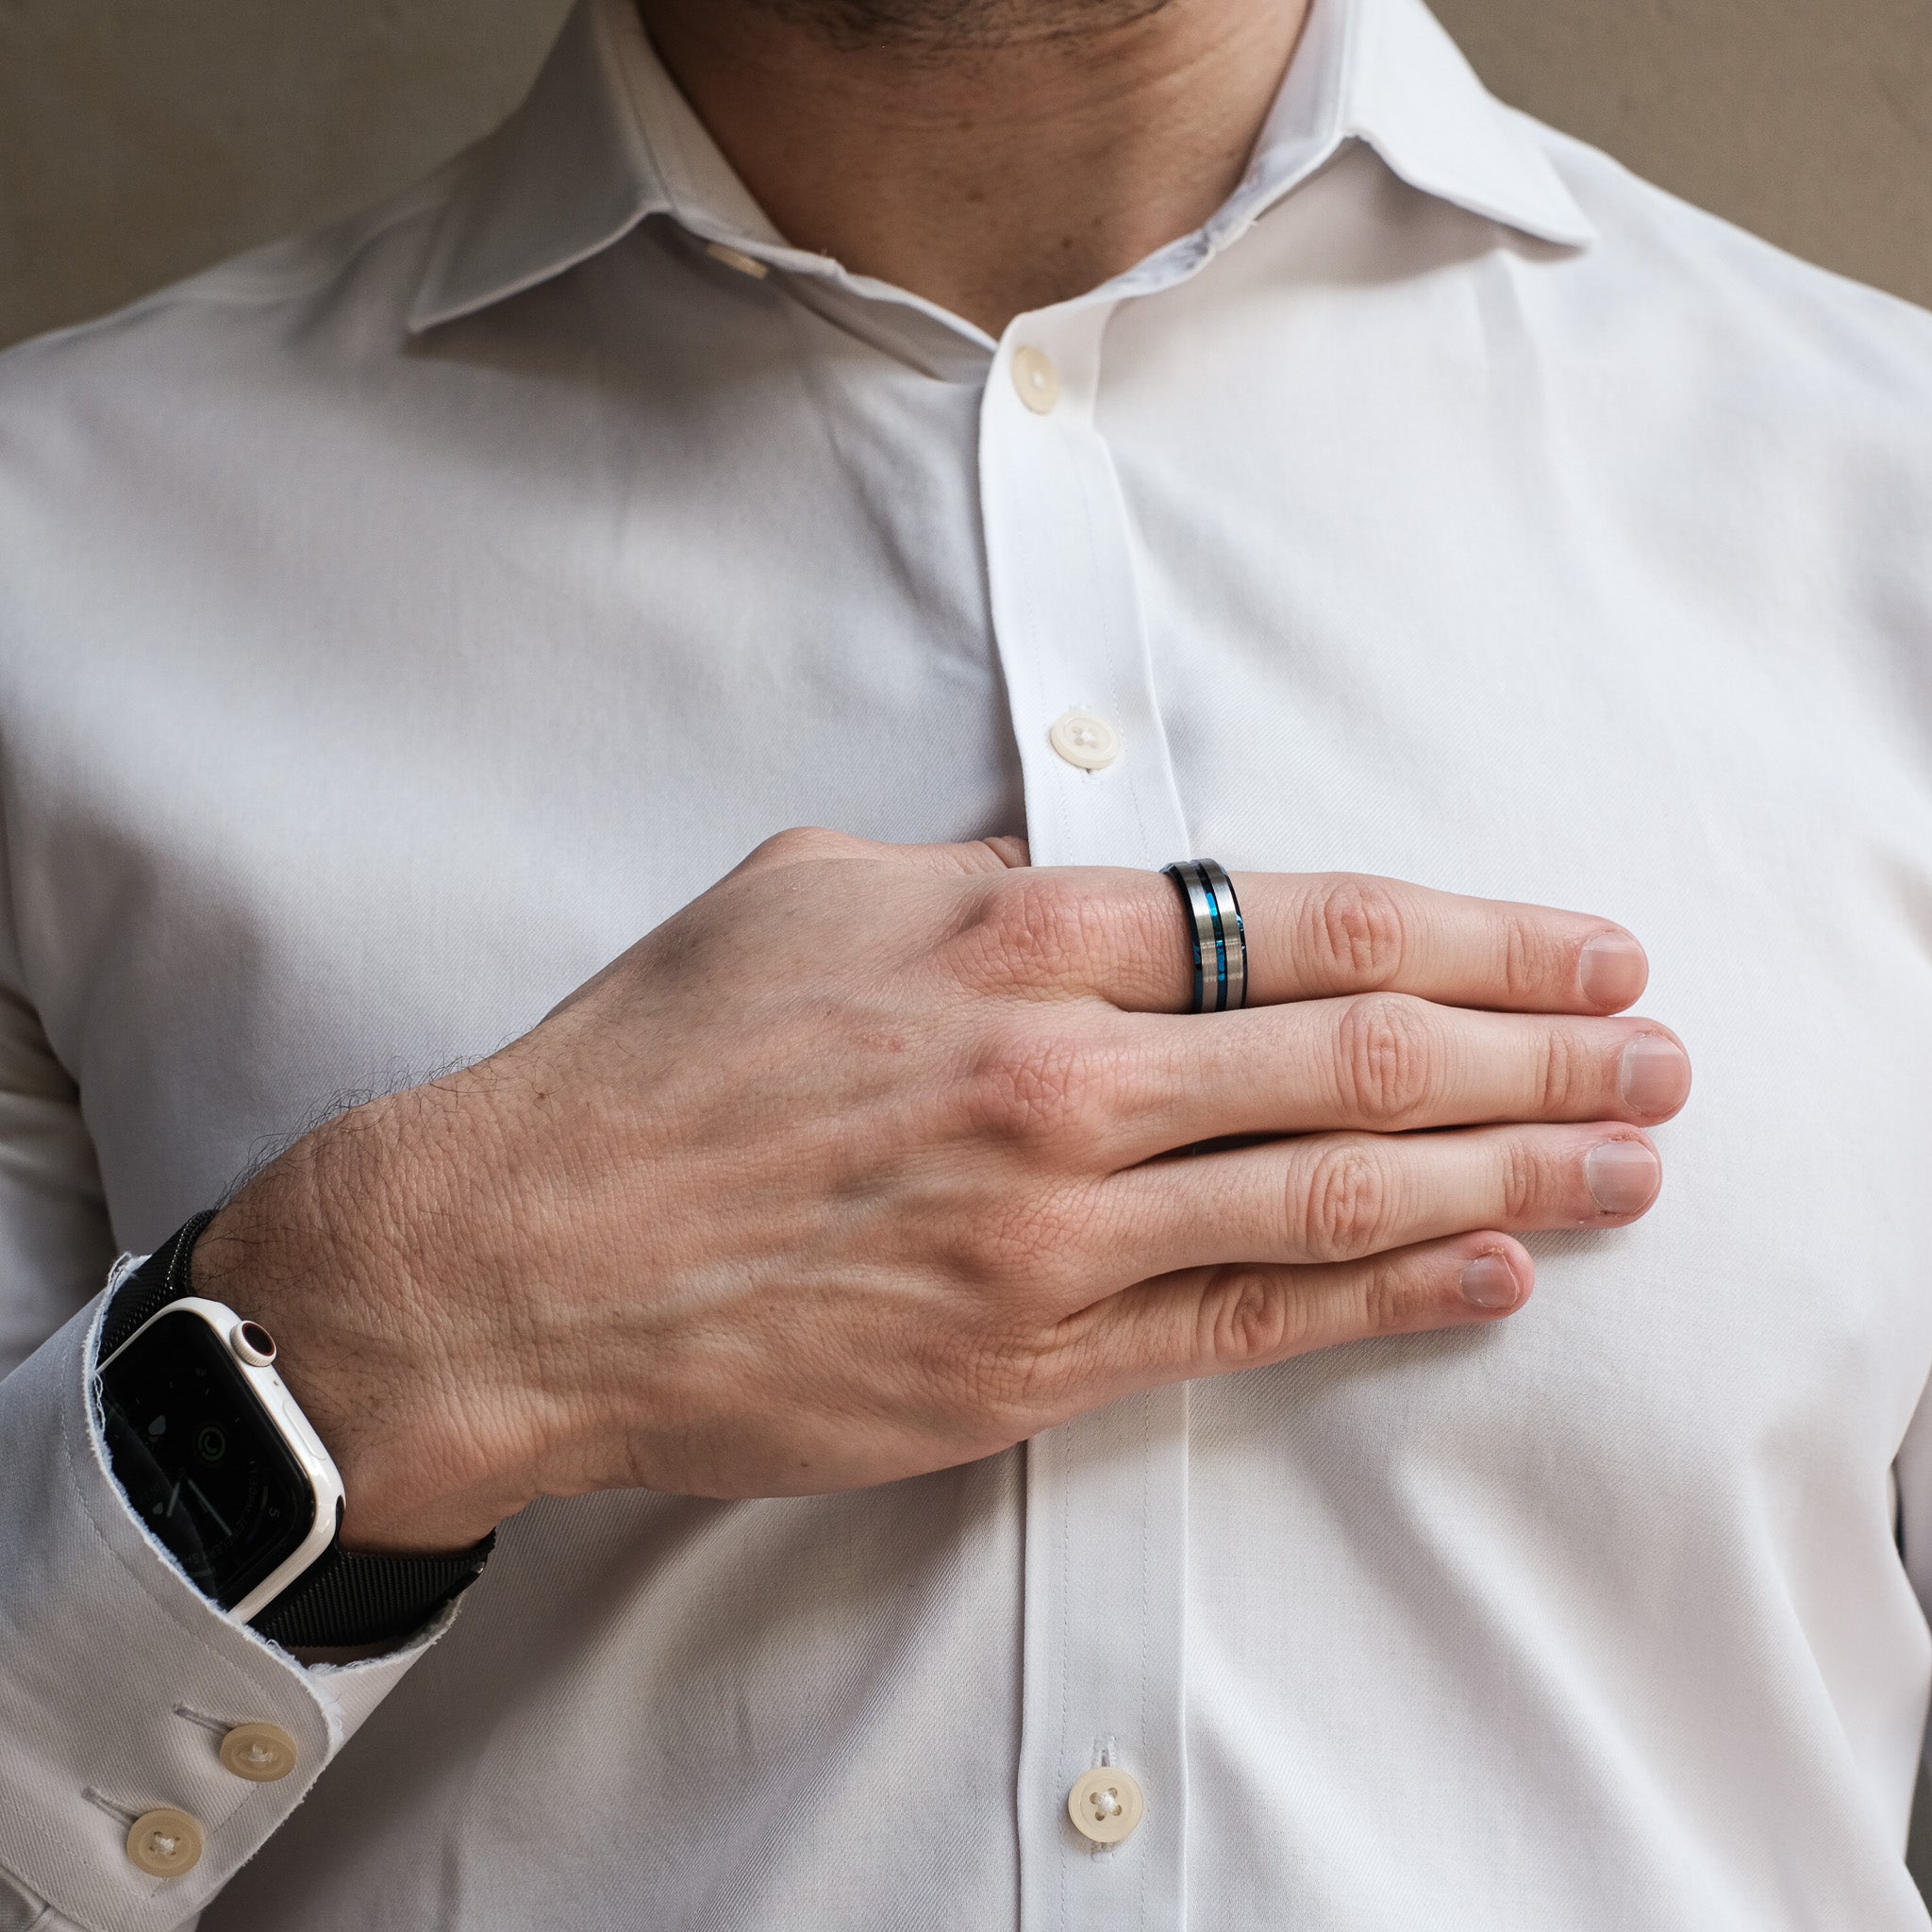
{"type": "Point", "coordinates": [1321, 935]}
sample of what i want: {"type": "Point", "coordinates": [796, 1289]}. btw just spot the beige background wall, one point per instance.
{"type": "Point", "coordinates": [143, 138]}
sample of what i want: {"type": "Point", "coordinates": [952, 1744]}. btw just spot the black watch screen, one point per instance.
{"type": "Point", "coordinates": [198, 1459]}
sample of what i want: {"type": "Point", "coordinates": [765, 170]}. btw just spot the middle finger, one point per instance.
{"type": "Point", "coordinates": [1383, 1064]}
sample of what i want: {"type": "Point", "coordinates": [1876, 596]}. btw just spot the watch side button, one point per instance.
{"type": "Point", "coordinates": [299, 1422]}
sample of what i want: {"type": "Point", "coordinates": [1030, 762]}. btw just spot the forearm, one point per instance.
{"type": "Point", "coordinates": [345, 1249]}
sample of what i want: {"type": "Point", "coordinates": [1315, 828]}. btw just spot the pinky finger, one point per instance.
{"type": "Point", "coordinates": [1212, 1321]}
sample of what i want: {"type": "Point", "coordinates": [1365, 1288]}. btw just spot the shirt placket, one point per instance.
{"type": "Point", "coordinates": [1106, 1494]}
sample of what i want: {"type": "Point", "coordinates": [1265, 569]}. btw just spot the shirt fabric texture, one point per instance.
{"type": "Point", "coordinates": [397, 622]}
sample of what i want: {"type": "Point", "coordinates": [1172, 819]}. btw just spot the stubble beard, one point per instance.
{"type": "Point", "coordinates": [948, 26]}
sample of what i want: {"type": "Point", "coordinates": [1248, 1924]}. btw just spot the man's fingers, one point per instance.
{"type": "Point", "coordinates": [1212, 1321]}
{"type": "Point", "coordinates": [1124, 936]}
{"type": "Point", "coordinates": [1314, 936]}
{"type": "Point", "coordinates": [1340, 1197]}
{"type": "Point", "coordinates": [1383, 1062]}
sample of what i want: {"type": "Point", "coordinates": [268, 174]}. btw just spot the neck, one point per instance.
{"type": "Point", "coordinates": [992, 156]}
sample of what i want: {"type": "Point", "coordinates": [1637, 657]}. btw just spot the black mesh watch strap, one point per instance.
{"type": "Point", "coordinates": [160, 1280]}
{"type": "Point", "coordinates": [345, 1596]}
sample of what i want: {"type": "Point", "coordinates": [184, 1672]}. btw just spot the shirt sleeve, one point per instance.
{"type": "Point", "coordinates": [1912, 1475]}
{"type": "Point", "coordinates": [119, 1679]}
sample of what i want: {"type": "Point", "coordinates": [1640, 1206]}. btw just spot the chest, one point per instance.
{"type": "Point", "coordinates": [366, 821]}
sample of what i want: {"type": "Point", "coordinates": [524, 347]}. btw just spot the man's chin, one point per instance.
{"type": "Point", "coordinates": [946, 26]}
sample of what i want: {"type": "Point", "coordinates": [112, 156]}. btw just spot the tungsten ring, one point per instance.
{"type": "Point", "coordinates": [1216, 933]}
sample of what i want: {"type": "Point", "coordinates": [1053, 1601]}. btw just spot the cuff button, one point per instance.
{"type": "Point", "coordinates": [165, 1842]}
{"type": "Point", "coordinates": [259, 1752]}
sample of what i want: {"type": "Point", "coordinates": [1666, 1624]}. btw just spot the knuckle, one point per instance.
{"type": "Point", "coordinates": [1566, 1075]}
{"type": "Point", "coordinates": [1034, 1379]}
{"type": "Point", "coordinates": [1383, 1054]}
{"type": "Point", "coordinates": [1036, 929]}
{"type": "Point", "coordinates": [1007, 850]}
{"type": "Point", "coordinates": [1007, 1380]}
{"type": "Point", "coordinates": [1526, 960]}
{"type": "Point", "coordinates": [1033, 1251]}
{"type": "Point", "coordinates": [1247, 1316]}
{"type": "Point", "coordinates": [1343, 1201]}
{"type": "Point", "coordinates": [1389, 1298]}
{"type": "Point", "coordinates": [1359, 931]}
{"type": "Point", "coordinates": [1003, 1253]}
{"type": "Point", "coordinates": [1522, 1181]}
{"type": "Point", "coordinates": [797, 843]}
{"type": "Point", "coordinates": [1023, 1366]}
{"type": "Point", "coordinates": [1030, 1090]}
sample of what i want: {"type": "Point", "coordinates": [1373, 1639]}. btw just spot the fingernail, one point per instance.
{"type": "Point", "coordinates": [1490, 1282]}
{"type": "Point", "coordinates": [1611, 970]}
{"type": "Point", "coordinates": [1654, 1076]}
{"type": "Point", "coordinates": [1622, 1176]}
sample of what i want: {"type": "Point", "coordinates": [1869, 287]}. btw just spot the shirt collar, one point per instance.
{"type": "Point", "coordinates": [605, 140]}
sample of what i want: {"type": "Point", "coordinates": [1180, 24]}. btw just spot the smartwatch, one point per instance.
{"type": "Point", "coordinates": [216, 1457]}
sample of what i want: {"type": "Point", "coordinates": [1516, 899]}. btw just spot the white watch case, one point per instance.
{"type": "Point", "coordinates": [286, 1418]}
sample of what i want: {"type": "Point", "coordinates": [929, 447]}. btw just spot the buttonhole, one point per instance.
{"type": "Point", "coordinates": [102, 1803]}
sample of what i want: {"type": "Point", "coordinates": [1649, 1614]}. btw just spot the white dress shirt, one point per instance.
{"type": "Point", "coordinates": [397, 622]}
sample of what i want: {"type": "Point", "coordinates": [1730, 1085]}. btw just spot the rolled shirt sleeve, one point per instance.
{"type": "Point", "coordinates": [119, 1679]}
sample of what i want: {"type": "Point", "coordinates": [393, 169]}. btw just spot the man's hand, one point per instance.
{"type": "Point", "coordinates": [875, 1160]}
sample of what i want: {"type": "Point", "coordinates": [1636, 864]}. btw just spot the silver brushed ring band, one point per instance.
{"type": "Point", "coordinates": [1219, 940]}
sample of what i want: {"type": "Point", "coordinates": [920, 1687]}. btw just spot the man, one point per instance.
{"type": "Point", "coordinates": [985, 1432]}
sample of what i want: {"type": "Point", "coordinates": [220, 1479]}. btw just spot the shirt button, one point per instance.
{"type": "Point", "coordinates": [1036, 378]}
{"type": "Point", "coordinates": [259, 1752]}
{"type": "Point", "coordinates": [165, 1842]}
{"type": "Point", "coordinates": [1086, 740]}
{"type": "Point", "coordinates": [1106, 1805]}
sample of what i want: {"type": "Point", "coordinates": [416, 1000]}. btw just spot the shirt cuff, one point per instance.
{"type": "Point", "coordinates": [119, 1679]}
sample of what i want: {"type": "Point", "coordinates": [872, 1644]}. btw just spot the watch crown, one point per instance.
{"type": "Point", "coordinates": [252, 1344]}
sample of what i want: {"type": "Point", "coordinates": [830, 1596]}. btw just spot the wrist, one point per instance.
{"type": "Point", "coordinates": [327, 1249]}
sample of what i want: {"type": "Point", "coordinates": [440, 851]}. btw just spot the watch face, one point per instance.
{"type": "Point", "coordinates": [199, 1459]}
